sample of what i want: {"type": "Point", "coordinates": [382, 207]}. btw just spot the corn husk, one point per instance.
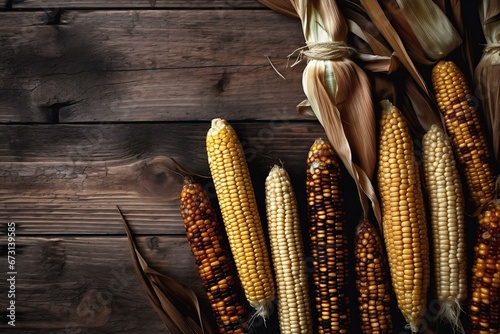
{"type": "Point", "coordinates": [462, 19]}
{"type": "Point", "coordinates": [175, 303]}
{"type": "Point", "coordinates": [384, 26]}
{"type": "Point", "coordinates": [397, 86]}
{"type": "Point", "coordinates": [338, 91]}
{"type": "Point", "coordinates": [434, 35]}
{"type": "Point", "coordinates": [487, 75]}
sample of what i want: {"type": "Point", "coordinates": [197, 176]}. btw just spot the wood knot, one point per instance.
{"type": "Point", "coordinates": [159, 177]}
{"type": "Point", "coordinates": [53, 259]}
{"type": "Point", "coordinates": [152, 243]}
{"type": "Point", "coordinates": [94, 308]}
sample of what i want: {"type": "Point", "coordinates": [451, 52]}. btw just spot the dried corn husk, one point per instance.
{"type": "Point", "coordinates": [340, 94]}
{"type": "Point", "coordinates": [175, 303]}
{"type": "Point", "coordinates": [338, 91]}
{"type": "Point", "coordinates": [281, 6]}
{"type": "Point", "coordinates": [487, 75]}
{"type": "Point", "coordinates": [433, 31]}
{"type": "Point", "coordinates": [459, 17]}
{"type": "Point", "coordinates": [403, 90]}
{"type": "Point", "coordinates": [382, 23]}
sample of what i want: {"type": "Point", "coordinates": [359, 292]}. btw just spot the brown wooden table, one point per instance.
{"type": "Point", "coordinates": [95, 97]}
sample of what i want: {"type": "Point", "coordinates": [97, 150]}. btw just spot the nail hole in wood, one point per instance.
{"type": "Point", "coordinates": [53, 16]}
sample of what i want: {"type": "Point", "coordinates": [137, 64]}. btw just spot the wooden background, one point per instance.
{"type": "Point", "coordinates": [94, 98]}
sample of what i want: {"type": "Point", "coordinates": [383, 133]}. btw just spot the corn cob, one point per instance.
{"type": "Point", "coordinates": [484, 309]}
{"type": "Point", "coordinates": [213, 259]}
{"type": "Point", "coordinates": [287, 252]}
{"type": "Point", "coordinates": [446, 205]}
{"type": "Point", "coordinates": [240, 215]}
{"type": "Point", "coordinates": [403, 216]}
{"type": "Point", "coordinates": [465, 130]}
{"type": "Point", "coordinates": [372, 280]}
{"type": "Point", "coordinates": [328, 239]}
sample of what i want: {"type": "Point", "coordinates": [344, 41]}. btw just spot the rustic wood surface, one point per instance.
{"type": "Point", "coordinates": [71, 177]}
{"type": "Point", "coordinates": [151, 4]}
{"type": "Point", "coordinates": [96, 98]}
{"type": "Point", "coordinates": [147, 65]}
{"type": "Point", "coordinates": [67, 283]}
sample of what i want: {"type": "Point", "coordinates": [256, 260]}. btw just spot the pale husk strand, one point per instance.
{"type": "Point", "coordinates": [487, 74]}
{"type": "Point", "coordinates": [339, 94]}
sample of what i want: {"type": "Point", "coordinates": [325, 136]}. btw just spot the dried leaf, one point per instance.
{"type": "Point", "coordinates": [431, 28]}
{"type": "Point", "coordinates": [419, 110]}
{"type": "Point", "coordinates": [489, 14]}
{"type": "Point", "coordinates": [462, 25]}
{"type": "Point", "coordinates": [360, 25]}
{"type": "Point", "coordinates": [174, 302]}
{"type": "Point", "coordinates": [378, 17]}
{"type": "Point", "coordinates": [490, 11]}
{"type": "Point", "coordinates": [398, 19]}
{"type": "Point", "coordinates": [339, 94]}
{"type": "Point", "coordinates": [374, 63]}
{"type": "Point", "coordinates": [487, 75]}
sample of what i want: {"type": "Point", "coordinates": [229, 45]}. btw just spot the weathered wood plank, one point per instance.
{"type": "Point", "coordinates": [67, 179]}
{"type": "Point", "coordinates": [153, 4]}
{"type": "Point", "coordinates": [88, 284]}
{"type": "Point", "coordinates": [240, 93]}
{"type": "Point", "coordinates": [146, 65]}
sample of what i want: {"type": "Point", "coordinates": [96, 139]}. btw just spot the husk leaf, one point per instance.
{"type": "Point", "coordinates": [417, 106]}
{"type": "Point", "coordinates": [433, 31]}
{"type": "Point", "coordinates": [362, 27]}
{"type": "Point", "coordinates": [468, 44]}
{"type": "Point", "coordinates": [380, 20]}
{"type": "Point", "coordinates": [175, 303]}
{"type": "Point", "coordinates": [339, 94]}
{"type": "Point", "coordinates": [487, 75]}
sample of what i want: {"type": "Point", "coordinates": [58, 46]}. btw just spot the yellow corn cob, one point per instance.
{"type": "Point", "coordinates": [466, 132]}
{"type": "Point", "coordinates": [446, 205]}
{"type": "Point", "coordinates": [240, 215]}
{"type": "Point", "coordinates": [403, 216]}
{"type": "Point", "coordinates": [484, 309]}
{"type": "Point", "coordinates": [287, 251]}
{"type": "Point", "coordinates": [372, 280]}
{"type": "Point", "coordinates": [213, 259]}
{"type": "Point", "coordinates": [328, 239]}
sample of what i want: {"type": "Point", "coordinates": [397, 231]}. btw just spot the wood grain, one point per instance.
{"type": "Point", "coordinates": [91, 284]}
{"type": "Point", "coordinates": [67, 179]}
{"type": "Point", "coordinates": [141, 65]}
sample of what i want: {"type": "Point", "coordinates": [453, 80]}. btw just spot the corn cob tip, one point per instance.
{"type": "Point", "coordinates": [386, 106]}
{"type": "Point", "coordinates": [219, 123]}
{"type": "Point", "coordinates": [275, 170]}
